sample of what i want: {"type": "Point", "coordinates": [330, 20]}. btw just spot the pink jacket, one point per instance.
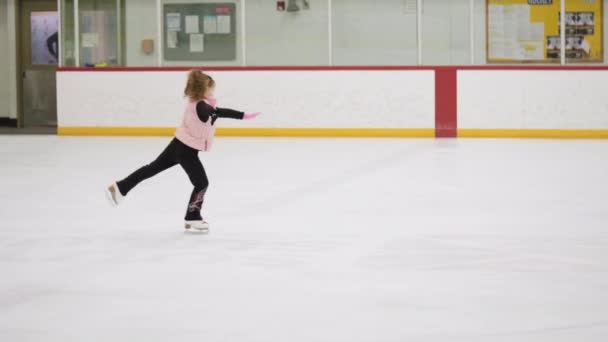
{"type": "Point", "coordinates": [193, 132]}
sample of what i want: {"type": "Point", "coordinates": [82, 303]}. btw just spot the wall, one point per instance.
{"type": "Point", "coordinates": [4, 86]}
{"type": "Point", "coordinates": [8, 66]}
{"type": "Point", "coordinates": [67, 45]}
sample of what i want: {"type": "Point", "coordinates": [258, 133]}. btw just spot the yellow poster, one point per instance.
{"type": "Point", "coordinates": [529, 31]}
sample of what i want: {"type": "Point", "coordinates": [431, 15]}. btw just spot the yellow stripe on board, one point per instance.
{"type": "Point", "coordinates": [345, 132]}
{"type": "Point", "coordinates": [329, 132]}
{"type": "Point", "coordinates": [116, 131]}
{"type": "Point", "coordinates": [257, 132]}
{"type": "Point", "coordinates": [534, 133]}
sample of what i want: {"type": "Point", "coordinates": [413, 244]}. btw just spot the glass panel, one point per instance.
{"type": "Point", "coordinates": [374, 32]}
{"type": "Point", "coordinates": [99, 43]}
{"type": "Point", "coordinates": [479, 31]}
{"type": "Point", "coordinates": [141, 48]}
{"type": "Point", "coordinates": [44, 37]}
{"type": "Point", "coordinates": [67, 33]}
{"type": "Point", "coordinates": [283, 35]}
{"type": "Point", "coordinates": [445, 32]}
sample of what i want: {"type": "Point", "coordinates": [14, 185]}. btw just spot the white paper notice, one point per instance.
{"type": "Point", "coordinates": [510, 23]}
{"type": "Point", "coordinates": [223, 24]}
{"type": "Point", "coordinates": [511, 35]}
{"type": "Point", "coordinates": [522, 17]}
{"type": "Point", "coordinates": [520, 53]}
{"type": "Point", "coordinates": [89, 40]}
{"type": "Point", "coordinates": [523, 13]}
{"type": "Point", "coordinates": [537, 31]}
{"type": "Point", "coordinates": [210, 24]}
{"type": "Point", "coordinates": [586, 47]}
{"type": "Point", "coordinates": [531, 51]}
{"type": "Point", "coordinates": [172, 39]}
{"type": "Point", "coordinates": [197, 42]}
{"type": "Point", "coordinates": [496, 31]}
{"type": "Point", "coordinates": [511, 50]}
{"type": "Point", "coordinates": [497, 51]}
{"type": "Point", "coordinates": [496, 22]}
{"type": "Point", "coordinates": [524, 31]}
{"type": "Point", "coordinates": [192, 24]}
{"type": "Point", "coordinates": [174, 22]}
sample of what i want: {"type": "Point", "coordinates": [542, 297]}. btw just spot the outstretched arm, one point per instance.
{"type": "Point", "coordinates": [233, 114]}
{"type": "Point", "coordinates": [206, 111]}
{"type": "Point", "coordinates": [229, 113]}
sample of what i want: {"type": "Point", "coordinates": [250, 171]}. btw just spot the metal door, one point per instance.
{"type": "Point", "coordinates": [39, 48]}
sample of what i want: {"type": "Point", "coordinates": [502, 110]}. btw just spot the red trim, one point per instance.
{"type": "Point", "coordinates": [250, 68]}
{"type": "Point", "coordinates": [446, 102]}
{"type": "Point", "coordinates": [527, 67]}
{"type": "Point", "coordinates": [339, 68]}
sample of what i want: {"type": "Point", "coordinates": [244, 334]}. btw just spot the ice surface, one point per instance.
{"type": "Point", "coordinates": [311, 240]}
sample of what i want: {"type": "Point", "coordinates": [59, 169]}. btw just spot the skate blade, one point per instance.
{"type": "Point", "coordinates": [191, 229]}
{"type": "Point", "coordinates": [110, 198]}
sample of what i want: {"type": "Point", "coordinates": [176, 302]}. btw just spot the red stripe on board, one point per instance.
{"type": "Point", "coordinates": [445, 103]}
{"type": "Point", "coordinates": [251, 68]}
{"type": "Point", "coordinates": [339, 68]}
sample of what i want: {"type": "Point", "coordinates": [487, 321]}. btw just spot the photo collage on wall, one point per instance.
{"type": "Point", "coordinates": [580, 26]}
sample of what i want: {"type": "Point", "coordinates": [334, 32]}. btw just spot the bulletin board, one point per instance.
{"type": "Point", "coordinates": [529, 31]}
{"type": "Point", "coordinates": [199, 32]}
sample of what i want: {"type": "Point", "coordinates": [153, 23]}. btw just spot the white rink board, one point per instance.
{"type": "Point", "coordinates": [288, 99]}
{"type": "Point", "coordinates": [532, 99]}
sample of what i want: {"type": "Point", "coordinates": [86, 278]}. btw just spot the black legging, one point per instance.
{"type": "Point", "coordinates": [176, 153]}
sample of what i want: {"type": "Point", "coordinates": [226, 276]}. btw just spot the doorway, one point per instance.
{"type": "Point", "coordinates": [38, 60]}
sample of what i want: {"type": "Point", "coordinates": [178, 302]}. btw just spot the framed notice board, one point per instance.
{"type": "Point", "coordinates": [199, 32]}
{"type": "Point", "coordinates": [520, 31]}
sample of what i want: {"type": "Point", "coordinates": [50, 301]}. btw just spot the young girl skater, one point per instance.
{"type": "Point", "coordinates": [195, 134]}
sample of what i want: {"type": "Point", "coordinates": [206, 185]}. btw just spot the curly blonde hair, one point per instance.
{"type": "Point", "coordinates": [198, 83]}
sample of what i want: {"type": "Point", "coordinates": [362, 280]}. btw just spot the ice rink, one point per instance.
{"type": "Point", "coordinates": [328, 240]}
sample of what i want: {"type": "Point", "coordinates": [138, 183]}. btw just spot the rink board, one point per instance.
{"type": "Point", "coordinates": [482, 102]}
